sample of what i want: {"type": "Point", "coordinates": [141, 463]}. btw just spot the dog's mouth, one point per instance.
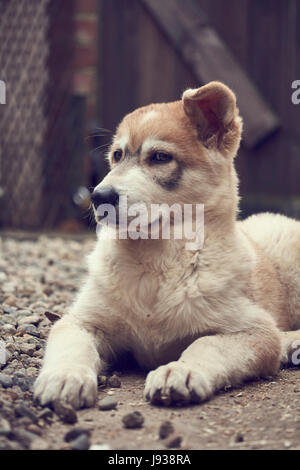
{"type": "Point", "coordinates": [122, 222]}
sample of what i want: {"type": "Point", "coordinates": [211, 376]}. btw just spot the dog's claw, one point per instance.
{"type": "Point", "coordinates": [176, 384]}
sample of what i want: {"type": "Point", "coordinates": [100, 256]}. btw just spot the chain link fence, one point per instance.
{"type": "Point", "coordinates": [42, 123]}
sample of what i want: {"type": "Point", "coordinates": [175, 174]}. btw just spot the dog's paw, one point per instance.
{"type": "Point", "coordinates": [177, 383]}
{"type": "Point", "coordinates": [76, 385]}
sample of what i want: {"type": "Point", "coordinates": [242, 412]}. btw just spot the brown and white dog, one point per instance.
{"type": "Point", "coordinates": [200, 321]}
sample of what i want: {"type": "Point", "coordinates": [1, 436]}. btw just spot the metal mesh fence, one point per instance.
{"type": "Point", "coordinates": [41, 124]}
{"type": "Point", "coordinates": [23, 53]}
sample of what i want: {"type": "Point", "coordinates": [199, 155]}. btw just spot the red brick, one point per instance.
{"type": "Point", "coordinates": [86, 6]}
{"type": "Point", "coordinates": [85, 57]}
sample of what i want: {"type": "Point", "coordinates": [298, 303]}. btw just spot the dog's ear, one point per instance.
{"type": "Point", "coordinates": [212, 109]}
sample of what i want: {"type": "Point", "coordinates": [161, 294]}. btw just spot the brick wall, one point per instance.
{"type": "Point", "coordinates": [86, 53]}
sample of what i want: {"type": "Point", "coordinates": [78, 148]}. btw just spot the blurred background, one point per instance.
{"type": "Point", "coordinates": [73, 68]}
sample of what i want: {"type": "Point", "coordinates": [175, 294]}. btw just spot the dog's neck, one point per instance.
{"type": "Point", "coordinates": [162, 254]}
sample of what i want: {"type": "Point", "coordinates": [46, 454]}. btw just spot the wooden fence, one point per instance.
{"type": "Point", "coordinates": [149, 54]}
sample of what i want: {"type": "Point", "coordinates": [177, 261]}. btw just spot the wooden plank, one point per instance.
{"type": "Point", "coordinates": [210, 59]}
{"type": "Point", "coordinates": [162, 75]}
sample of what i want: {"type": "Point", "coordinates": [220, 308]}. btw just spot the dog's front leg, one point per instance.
{"type": "Point", "coordinates": [214, 362]}
{"type": "Point", "coordinates": [70, 365]}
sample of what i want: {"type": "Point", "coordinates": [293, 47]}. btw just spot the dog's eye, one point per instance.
{"type": "Point", "coordinates": [117, 155]}
{"type": "Point", "coordinates": [160, 157]}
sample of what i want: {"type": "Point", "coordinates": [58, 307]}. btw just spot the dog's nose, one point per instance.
{"type": "Point", "coordinates": [105, 195]}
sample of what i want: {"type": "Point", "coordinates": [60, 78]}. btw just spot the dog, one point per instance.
{"type": "Point", "coordinates": [198, 320]}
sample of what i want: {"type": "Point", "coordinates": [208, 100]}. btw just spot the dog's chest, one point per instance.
{"type": "Point", "coordinates": [160, 312]}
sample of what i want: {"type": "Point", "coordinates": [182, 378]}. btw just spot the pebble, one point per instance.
{"type": "Point", "coordinates": [23, 410]}
{"type": "Point", "coordinates": [8, 328]}
{"type": "Point", "coordinates": [29, 329]}
{"type": "Point", "coordinates": [25, 383]}
{"type": "Point", "coordinates": [165, 429]}
{"type": "Point", "coordinates": [23, 436]}
{"type": "Point", "coordinates": [174, 442]}
{"type": "Point", "coordinates": [108, 403]}
{"type": "Point", "coordinates": [39, 444]}
{"type": "Point", "coordinates": [31, 319]}
{"type": "Point", "coordinates": [102, 381]}
{"type": "Point", "coordinates": [100, 447]}
{"type": "Point", "coordinates": [239, 437]}
{"type": "Point", "coordinates": [75, 433]}
{"type": "Point", "coordinates": [11, 301]}
{"type": "Point", "coordinates": [5, 427]}
{"type": "Point", "coordinates": [46, 414]}
{"type": "Point", "coordinates": [65, 412]}
{"type": "Point", "coordinates": [114, 381]}
{"type": "Point", "coordinates": [82, 442]}
{"type": "Point", "coordinates": [9, 310]}
{"type": "Point", "coordinates": [6, 444]}
{"type": "Point", "coordinates": [133, 420]}
{"type": "Point", "coordinates": [27, 348]}
{"type": "Point", "coordinates": [4, 355]}
{"type": "Point", "coordinates": [6, 381]}
{"type": "Point", "coordinates": [35, 429]}
{"type": "Point", "coordinates": [53, 317]}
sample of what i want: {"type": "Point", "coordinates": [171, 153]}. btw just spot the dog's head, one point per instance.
{"type": "Point", "coordinates": [180, 152]}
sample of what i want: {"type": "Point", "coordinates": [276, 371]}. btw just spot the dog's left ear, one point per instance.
{"type": "Point", "coordinates": [212, 109]}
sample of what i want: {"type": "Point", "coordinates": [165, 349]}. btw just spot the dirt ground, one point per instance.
{"type": "Point", "coordinates": [42, 274]}
{"type": "Point", "coordinates": [259, 415]}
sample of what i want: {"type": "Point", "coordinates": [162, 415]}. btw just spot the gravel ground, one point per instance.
{"type": "Point", "coordinates": [38, 280]}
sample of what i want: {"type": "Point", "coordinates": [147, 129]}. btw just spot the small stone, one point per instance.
{"type": "Point", "coordinates": [133, 420]}
{"type": "Point", "coordinates": [239, 437]}
{"type": "Point", "coordinates": [32, 371]}
{"type": "Point", "coordinates": [4, 354]}
{"type": "Point", "coordinates": [8, 328]}
{"type": "Point", "coordinates": [39, 444]}
{"type": "Point", "coordinates": [114, 381]}
{"type": "Point", "coordinates": [46, 414]}
{"type": "Point", "coordinates": [9, 310]}
{"type": "Point", "coordinates": [166, 429]}
{"type": "Point", "coordinates": [25, 383]}
{"type": "Point", "coordinates": [108, 403]}
{"type": "Point", "coordinates": [82, 442]}
{"type": "Point", "coordinates": [23, 410]}
{"type": "Point", "coordinates": [35, 429]}
{"type": "Point", "coordinates": [53, 317]}
{"type": "Point", "coordinates": [6, 381]}
{"type": "Point", "coordinates": [24, 437]}
{"type": "Point", "coordinates": [6, 444]}
{"type": "Point", "coordinates": [65, 412]}
{"type": "Point", "coordinates": [174, 442]}
{"type": "Point", "coordinates": [75, 433]}
{"type": "Point", "coordinates": [29, 329]}
{"type": "Point", "coordinates": [100, 447]}
{"type": "Point", "coordinates": [27, 348]}
{"type": "Point", "coordinates": [102, 381]}
{"type": "Point", "coordinates": [4, 427]}
{"type": "Point", "coordinates": [31, 319]}
{"type": "Point", "coordinates": [11, 301]}
{"type": "Point", "coordinates": [3, 276]}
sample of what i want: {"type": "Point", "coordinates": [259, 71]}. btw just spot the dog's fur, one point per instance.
{"type": "Point", "coordinates": [201, 320]}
